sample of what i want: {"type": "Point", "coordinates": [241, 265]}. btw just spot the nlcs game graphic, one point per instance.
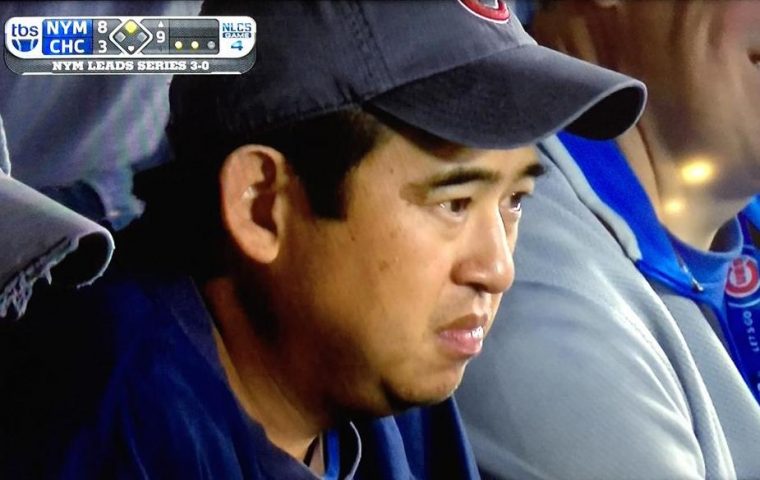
{"type": "Point", "coordinates": [129, 45]}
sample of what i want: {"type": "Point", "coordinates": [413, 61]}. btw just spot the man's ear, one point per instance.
{"type": "Point", "coordinates": [252, 181]}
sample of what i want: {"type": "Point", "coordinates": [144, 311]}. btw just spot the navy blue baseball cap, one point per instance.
{"type": "Point", "coordinates": [463, 70]}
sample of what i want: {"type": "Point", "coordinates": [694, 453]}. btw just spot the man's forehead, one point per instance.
{"type": "Point", "coordinates": [446, 150]}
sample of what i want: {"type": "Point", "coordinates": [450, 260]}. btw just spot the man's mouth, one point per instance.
{"type": "Point", "coordinates": [464, 337]}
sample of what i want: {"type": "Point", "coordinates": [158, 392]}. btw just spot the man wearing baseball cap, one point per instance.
{"type": "Point", "coordinates": [313, 273]}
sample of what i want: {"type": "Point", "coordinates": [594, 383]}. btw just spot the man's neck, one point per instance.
{"type": "Point", "coordinates": [254, 377]}
{"type": "Point", "coordinates": [692, 211]}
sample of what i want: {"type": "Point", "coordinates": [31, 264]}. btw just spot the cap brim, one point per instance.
{"type": "Point", "coordinates": [517, 97]}
{"type": "Point", "coordinates": [40, 238]}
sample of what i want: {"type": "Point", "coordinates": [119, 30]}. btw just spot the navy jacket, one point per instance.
{"type": "Point", "coordinates": [122, 380]}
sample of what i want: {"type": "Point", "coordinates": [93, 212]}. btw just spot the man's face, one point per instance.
{"type": "Point", "coordinates": [700, 60]}
{"type": "Point", "coordinates": [387, 306]}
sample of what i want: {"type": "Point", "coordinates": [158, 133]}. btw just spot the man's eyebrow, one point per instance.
{"type": "Point", "coordinates": [533, 170]}
{"type": "Point", "coordinates": [418, 191]}
{"type": "Point", "coordinates": [459, 176]}
{"type": "Point", "coordinates": [462, 175]}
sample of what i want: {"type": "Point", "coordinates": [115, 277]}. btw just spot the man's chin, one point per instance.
{"type": "Point", "coordinates": [397, 397]}
{"type": "Point", "coordinates": [421, 395]}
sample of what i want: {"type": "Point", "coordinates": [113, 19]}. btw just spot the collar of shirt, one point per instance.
{"type": "Point", "coordinates": [752, 212]}
{"type": "Point", "coordinates": [658, 255]}
{"type": "Point", "coordinates": [343, 444]}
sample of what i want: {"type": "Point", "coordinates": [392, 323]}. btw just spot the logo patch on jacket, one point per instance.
{"type": "Point", "coordinates": [743, 278]}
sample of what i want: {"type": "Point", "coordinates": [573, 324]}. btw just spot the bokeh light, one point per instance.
{"type": "Point", "coordinates": [698, 171]}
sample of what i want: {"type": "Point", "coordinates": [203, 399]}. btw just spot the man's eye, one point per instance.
{"type": "Point", "coordinates": [515, 201]}
{"type": "Point", "coordinates": [457, 206]}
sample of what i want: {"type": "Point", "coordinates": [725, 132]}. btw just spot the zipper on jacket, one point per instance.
{"type": "Point", "coordinates": [696, 287]}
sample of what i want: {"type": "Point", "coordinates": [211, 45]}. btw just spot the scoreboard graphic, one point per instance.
{"type": "Point", "coordinates": [129, 45]}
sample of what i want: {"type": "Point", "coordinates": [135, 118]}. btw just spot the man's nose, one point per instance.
{"type": "Point", "coordinates": [486, 262]}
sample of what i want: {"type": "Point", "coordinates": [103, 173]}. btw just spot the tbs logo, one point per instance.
{"type": "Point", "coordinates": [20, 36]}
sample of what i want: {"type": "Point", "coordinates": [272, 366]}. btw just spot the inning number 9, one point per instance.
{"type": "Point", "coordinates": [160, 36]}
{"type": "Point", "coordinates": [102, 26]}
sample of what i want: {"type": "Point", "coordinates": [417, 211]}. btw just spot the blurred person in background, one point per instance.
{"type": "Point", "coordinates": [41, 239]}
{"type": "Point", "coordinates": [43, 244]}
{"type": "Point", "coordinates": [79, 138]}
{"type": "Point", "coordinates": [628, 346]}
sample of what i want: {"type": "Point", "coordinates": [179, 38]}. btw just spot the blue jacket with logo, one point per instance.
{"type": "Point", "coordinates": [609, 358]}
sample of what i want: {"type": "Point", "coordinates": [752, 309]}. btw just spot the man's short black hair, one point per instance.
{"type": "Point", "coordinates": [183, 216]}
